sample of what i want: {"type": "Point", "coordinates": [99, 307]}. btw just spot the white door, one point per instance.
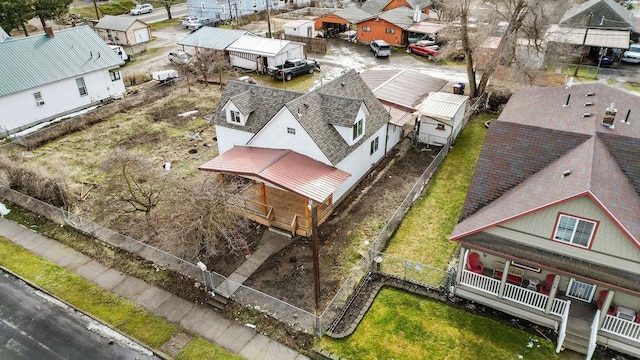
{"type": "Point", "coordinates": [141, 35]}
{"type": "Point", "coordinates": [580, 290]}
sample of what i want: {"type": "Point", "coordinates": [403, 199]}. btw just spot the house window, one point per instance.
{"type": "Point", "coordinates": [390, 30]}
{"type": "Point", "coordinates": [574, 231]}
{"type": "Point", "coordinates": [82, 88]}
{"type": "Point", "coordinates": [239, 5]}
{"type": "Point", "coordinates": [202, 6]}
{"type": "Point", "coordinates": [235, 117]}
{"type": "Point", "coordinates": [291, 131]}
{"type": "Point", "coordinates": [366, 28]}
{"type": "Point", "coordinates": [357, 129]}
{"type": "Point", "coordinates": [440, 127]}
{"type": "Point", "coordinates": [39, 100]}
{"type": "Point", "coordinates": [374, 146]}
{"type": "Point", "coordinates": [115, 75]}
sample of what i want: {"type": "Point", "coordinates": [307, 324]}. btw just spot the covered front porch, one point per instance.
{"type": "Point", "coordinates": [286, 188]}
{"type": "Point", "coordinates": [588, 314]}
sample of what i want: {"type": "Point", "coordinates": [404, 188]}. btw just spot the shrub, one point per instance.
{"type": "Point", "coordinates": [35, 183]}
{"type": "Point", "coordinates": [117, 7]}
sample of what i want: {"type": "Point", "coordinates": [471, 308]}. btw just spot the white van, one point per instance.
{"type": "Point", "coordinates": [380, 48]}
{"type": "Point", "coordinates": [120, 52]}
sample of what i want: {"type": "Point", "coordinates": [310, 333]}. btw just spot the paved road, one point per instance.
{"type": "Point", "coordinates": [36, 326]}
{"type": "Point", "coordinates": [160, 13]}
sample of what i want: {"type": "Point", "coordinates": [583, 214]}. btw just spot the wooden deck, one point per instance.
{"type": "Point", "coordinates": [282, 209]}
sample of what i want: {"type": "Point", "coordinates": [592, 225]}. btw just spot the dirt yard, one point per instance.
{"type": "Point", "coordinates": [346, 235]}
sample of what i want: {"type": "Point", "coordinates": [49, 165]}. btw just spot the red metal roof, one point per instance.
{"type": "Point", "coordinates": [287, 169]}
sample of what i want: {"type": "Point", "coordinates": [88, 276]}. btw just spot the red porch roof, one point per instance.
{"type": "Point", "coordinates": [287, 169]}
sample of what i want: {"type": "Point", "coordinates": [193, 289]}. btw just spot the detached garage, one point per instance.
{"type": "Point", "coordinates": [257, 53]}
{"type": "Point", "coordinates": [127, 31]}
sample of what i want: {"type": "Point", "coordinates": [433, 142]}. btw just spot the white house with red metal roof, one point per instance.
{"type": "Point", "coordinates": [53, 74]}
{"type": "Point", "coordinates": [329, 139]}
{"type": "Point", "coordinates": [550, 228]}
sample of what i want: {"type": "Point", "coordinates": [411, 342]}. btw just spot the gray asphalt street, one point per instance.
{"type": "Point", "coordinates": [36, 326]}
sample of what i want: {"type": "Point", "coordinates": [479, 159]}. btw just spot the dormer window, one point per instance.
{"type": "Point", "coordinates": [234, 117]}
{"type": "Point", "coordinates": [574, 231]}
{"type": "Point", "coordinates": [358, 129]}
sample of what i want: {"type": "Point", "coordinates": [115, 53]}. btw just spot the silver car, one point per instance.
{"type": "Point", "coordinates": [141, 9]}
{"type": "Point", "coordinates": [632, 55]}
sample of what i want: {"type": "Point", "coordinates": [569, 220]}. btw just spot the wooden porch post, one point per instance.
{"type": "Point", "coordinates": [464, 252]}
{"type": "Point", "coordinates": [552, 294]}
{"type": "Point", "coordinates": [263, 195]}
{"type": "Point", "coordinates": [221, 177]}
{"type": "Point", "coordinates": [605, 307]}
{"type": "Point", "coordinates": [503, 281]}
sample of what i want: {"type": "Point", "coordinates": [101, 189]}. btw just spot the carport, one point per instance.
{"type": "Point", "coordinates": [339, 21]}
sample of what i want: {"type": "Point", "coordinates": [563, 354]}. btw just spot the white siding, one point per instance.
{"type": "Point", "coordinates": [429, 134]}
{"type": "Point", "coordinates": [610, 246]}
{"type": "Point", "coordinates": [393, 136]}
{"type": "Point", "coordinates": [59, 98]}
{"type": "Point", "coordinates": [359, 162]}
{"type": "Point", "coordinates": [274, 135]}
{"type": "Point", "coordinates": [228, 138]}
{"type": "Point", "coordinates": [242, 63]}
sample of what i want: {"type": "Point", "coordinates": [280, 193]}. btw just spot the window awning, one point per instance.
{"type": "Point", "coordinates": [613, 39]}
{"type": "Point", "coordinates": [287, 169]}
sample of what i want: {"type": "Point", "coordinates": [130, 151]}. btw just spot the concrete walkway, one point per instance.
{"type": "Point", "coordinates": [203, 321]}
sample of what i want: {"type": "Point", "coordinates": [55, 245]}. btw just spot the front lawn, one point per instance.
{"type": "Point", "coordinates": [423, 235]}
{"type": "Point", "coordinates": [400, 325]}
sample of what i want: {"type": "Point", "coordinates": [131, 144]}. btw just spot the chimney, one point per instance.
{"type": "Point", "coordinates": [49, 31]}
{"type": "Point", "coordinates": [609, 116]}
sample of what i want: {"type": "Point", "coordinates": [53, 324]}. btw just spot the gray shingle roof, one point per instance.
{"type": "Point", "coordinates": [212, 38]}
{"type": "Point", "coordinates": [244, 102]}
{"type": "Point", "coordinates": [536, 139]}
{"type": "Point", "coordinates": [401, 17]}
{"type": "Point", "coordinates": [36, 60]}
{"type": "Point", "coordinates": [374, 6]}
{"type": "Point", "coordinates": [607, 14]}
{"type": "Point", "coordinates": [317, 109]}
{"type": "Point", "coordinates": [352, 14]}
{"type": "Point", "coordinates": [419, 4]}
{"type": "Point", "coordinates": [118, 23]}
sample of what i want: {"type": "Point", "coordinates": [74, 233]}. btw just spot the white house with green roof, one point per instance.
{"type": "Point", "coordinates": [54, 74]}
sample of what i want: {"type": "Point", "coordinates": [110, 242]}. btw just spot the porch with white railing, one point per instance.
{"type": "Point", "coordinates": [514, 293]}
{"type": "Point", "coordinates": [629, 330]}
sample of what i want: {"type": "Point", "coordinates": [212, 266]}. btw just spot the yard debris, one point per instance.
{"type": "Point", "coordinates": [193, 135]}
{"type": "Point", "coordinates": [188, 113]}
{"type": "Point", "coordinates": [250, 325]}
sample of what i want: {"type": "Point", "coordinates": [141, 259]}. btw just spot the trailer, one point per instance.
{"type": "Point", "coordinates": [165, 76]}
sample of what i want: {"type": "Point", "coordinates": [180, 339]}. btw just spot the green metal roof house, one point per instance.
{"type": "Point", "coordinates": [54, 74]}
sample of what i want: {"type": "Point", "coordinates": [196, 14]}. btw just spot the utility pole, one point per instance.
{"type": "Point", "coordinates": [268, 19]}
{"type": "Point", "coordinates": [584, 41]}
{"type": "Point", "coordinates": [316, 261]}
{"type": "Point", "coordinates": [95, 6]}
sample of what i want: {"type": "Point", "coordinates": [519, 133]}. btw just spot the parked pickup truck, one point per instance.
{"type": "Point", "coordinates": [292, 68]}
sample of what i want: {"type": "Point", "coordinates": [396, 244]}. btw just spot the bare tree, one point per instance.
{"type": "Point", "coordinates": [207, 62]}
{"type": "Point", "coordinates": [132, 180]}
{"type": "Point", "coordinates": [167, 6]}
{"type": "Point", "coordinates": [524, 19]}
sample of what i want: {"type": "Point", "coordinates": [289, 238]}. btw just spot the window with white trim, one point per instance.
{"type": "Point", "coordinates": [366, 28]}
{"type": "Point", "coordinates": [291, 131]}
{"type": "Point", "coordinates": [574, 230]}
{"type": "Point", "coordinates": [374, 146]}
{"type": "Point", "coordinates": [82, 87]}
{"type": "Point", "coordinates": [357, 129]}
{"type": "Point", "coordinates": [114, 75]}
{"type": "Point", "coordinates": [39, 99]}
{"type": "Point", "coordinates": [390, 30]}
{"type": "Point", "coordinates": [234, 117]}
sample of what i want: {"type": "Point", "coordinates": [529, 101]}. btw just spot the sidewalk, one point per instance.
{"type": "Point", "coordinates": [203, 321]}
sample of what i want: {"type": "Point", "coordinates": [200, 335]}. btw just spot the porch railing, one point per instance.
{"type": "Point", "coordinates": [480, 282]}
{"type": "Point", "coordinates": [621, 327]}
{"type": "Point", "coordinates": [593, 336]}
{"type": "Point", "coordinates": [514, 293]}
{"type": "Point", "coordinates": [525, 296]}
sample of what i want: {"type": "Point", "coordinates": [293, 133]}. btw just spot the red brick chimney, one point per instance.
{"type": "Point", "coordinates": [49, 31]}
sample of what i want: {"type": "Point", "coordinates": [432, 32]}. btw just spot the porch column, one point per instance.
{"type": "Point", "coordinates": [552, 294]}
{"type": "Point", "coordinates": [605, 307]}
{"type": "Point", "coordinates": [221, 177]}
{"type": "Point", "coordinates": [263, 195]}
{"type": "Point", "coordinates": [464, 252]}
{"type": "Point", "coordinates": [503, 281]}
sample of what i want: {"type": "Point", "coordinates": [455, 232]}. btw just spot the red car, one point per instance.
{"type": "Point", "coordinates": [424, 48]}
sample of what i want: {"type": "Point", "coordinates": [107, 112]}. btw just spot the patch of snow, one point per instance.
{"type": "Point", "coordinates": [41, 125]}
{"type": "Point", "coordinates": [4, 210]}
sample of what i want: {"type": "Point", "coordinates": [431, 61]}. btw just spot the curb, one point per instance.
{"type": "Point", "coordinates": [158, 353]}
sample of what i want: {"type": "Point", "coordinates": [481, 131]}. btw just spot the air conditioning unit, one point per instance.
{"type": "Point", "coordinates": [40, 102]}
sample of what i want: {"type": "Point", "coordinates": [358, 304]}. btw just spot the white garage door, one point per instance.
{"type": "Point", "coordinates": [141, 35]}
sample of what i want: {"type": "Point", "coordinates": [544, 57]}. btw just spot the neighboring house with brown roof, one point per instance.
{"type": "Point", "coordinates": [550, 228]}
{"type": "Point", "coordinates": [336, 133]}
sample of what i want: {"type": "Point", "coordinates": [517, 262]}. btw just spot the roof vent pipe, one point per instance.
{"type": "Point", "coordinates": [590, 94]}
{"type": "Point", "coordinates": [566, 173]}
{"type": "Point", "coordinates": [568, 98]}
{"type": "Point", "coordinates": [626, 118]}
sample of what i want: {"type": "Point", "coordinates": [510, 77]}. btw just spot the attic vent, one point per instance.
{"type": "Point", "coordinates": [588, 103]}
{"type": "Point", "coordinates": [609, 116]}
{"type": "Point", "coordinates": [587, 114]}
{"type": "Point", "coordinates": [566, 173]}
{"type": "Point", "coordinates": [590, 94]}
